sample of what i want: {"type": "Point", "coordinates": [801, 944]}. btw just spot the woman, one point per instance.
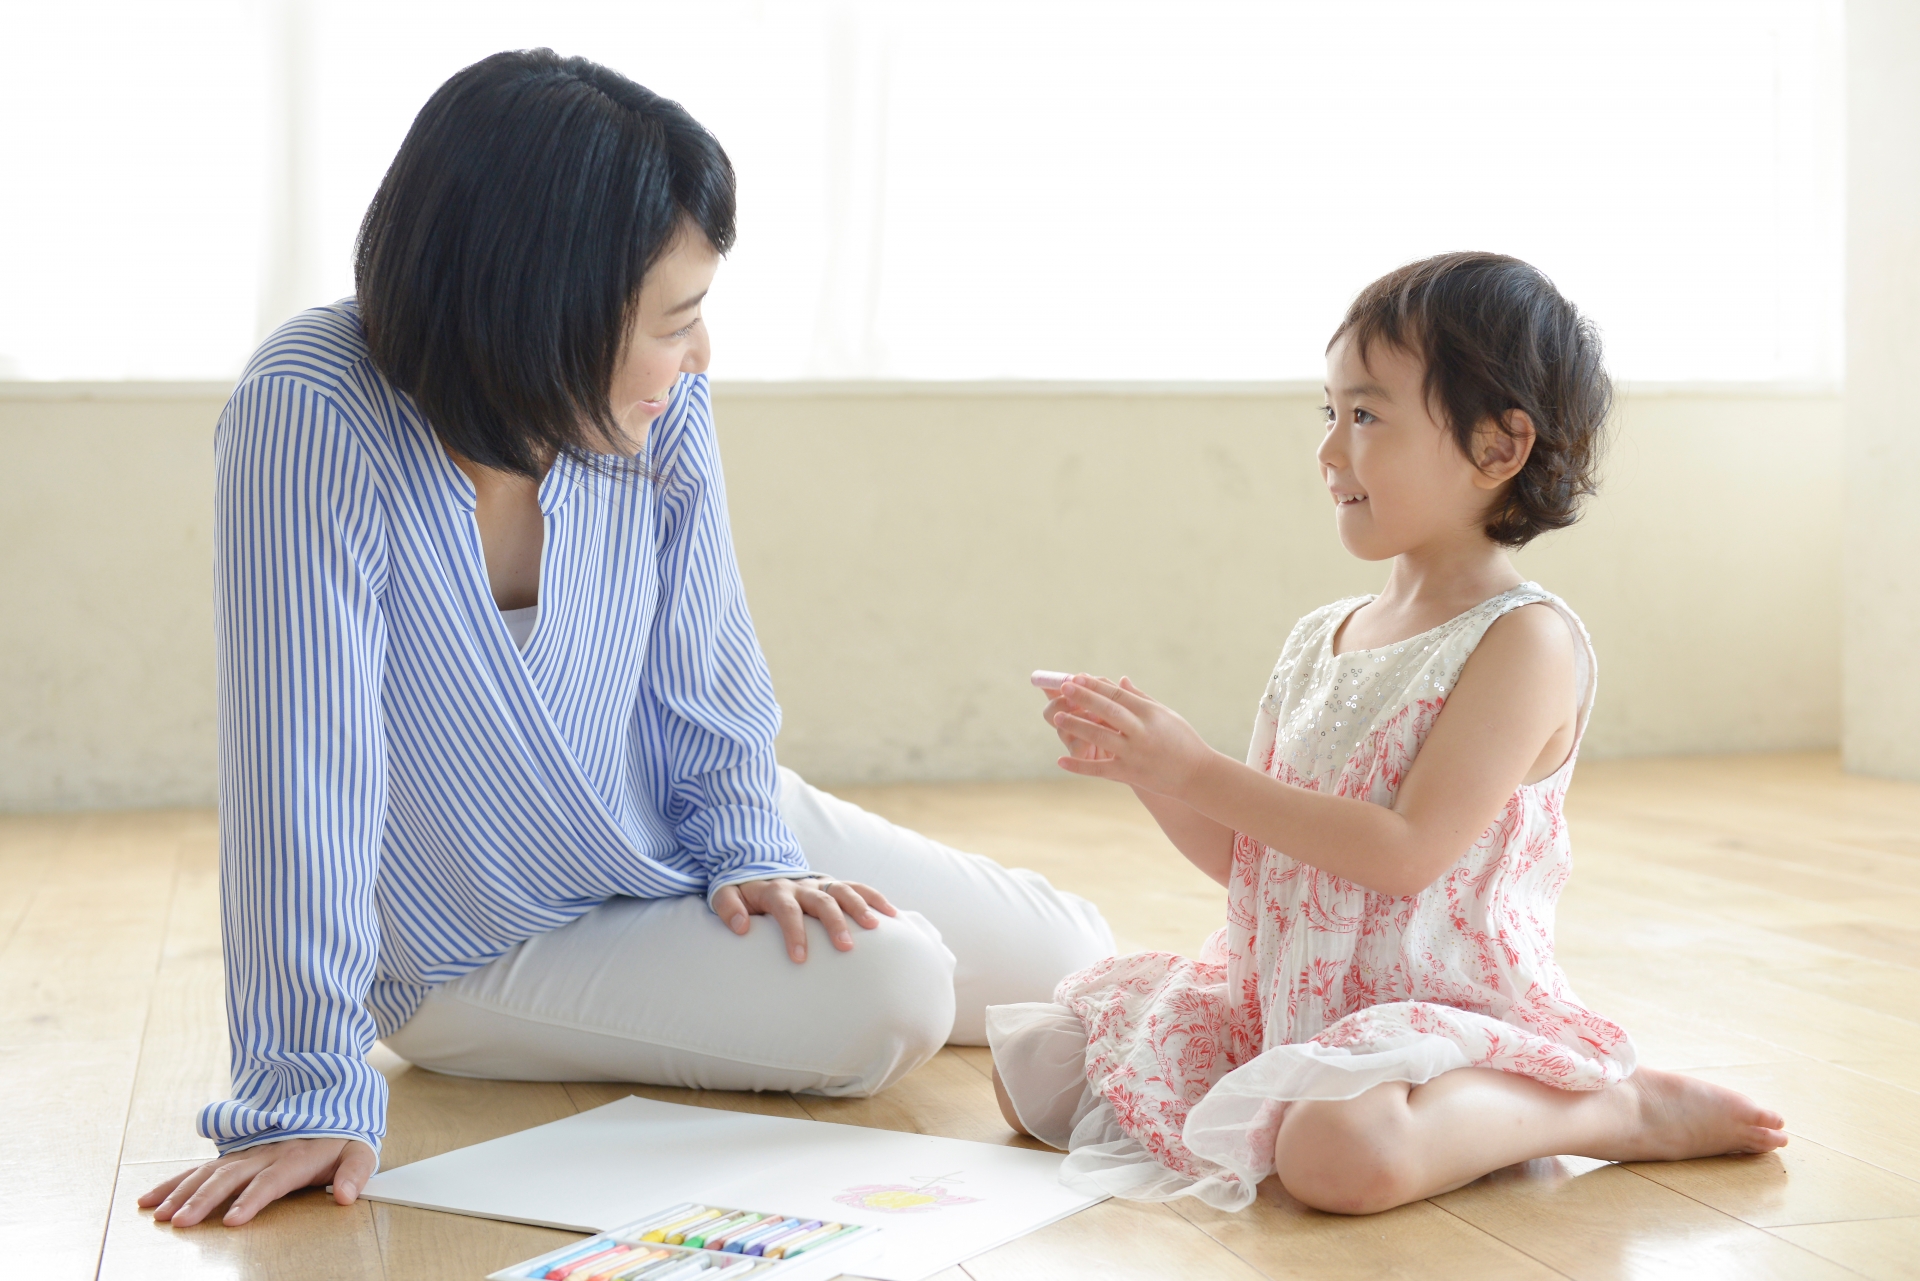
{"type": "Point", "coordinates": [497, 771]}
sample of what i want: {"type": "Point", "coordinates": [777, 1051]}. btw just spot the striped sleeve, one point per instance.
{"type": "Point", "coordinates": [707, 707]}
{"type": "Point", "coordinates": [298, 558]}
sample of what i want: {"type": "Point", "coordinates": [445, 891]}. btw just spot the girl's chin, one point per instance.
{"type": "Point", "coordinates": [1363, 542]}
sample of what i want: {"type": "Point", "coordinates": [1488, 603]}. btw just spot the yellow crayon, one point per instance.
{"type": "Point", "coordinates": [687, 1220]}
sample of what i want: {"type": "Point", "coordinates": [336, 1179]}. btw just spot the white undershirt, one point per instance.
{"type": "Point", "coordinates": [520, 623]}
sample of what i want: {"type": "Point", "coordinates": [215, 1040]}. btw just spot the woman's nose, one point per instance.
{"type": "Point", "coordinates": [699, 353]}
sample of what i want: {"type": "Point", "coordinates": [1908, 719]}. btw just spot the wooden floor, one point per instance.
{"type": "Point", "coordinates": [1755, 920]}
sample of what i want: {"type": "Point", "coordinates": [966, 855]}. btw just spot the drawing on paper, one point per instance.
{"type": "Point", "coordinates": [904, 1198]}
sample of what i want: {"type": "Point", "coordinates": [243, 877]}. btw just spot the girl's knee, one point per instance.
{"type": "Point", "coordinates": [1350, 1156]}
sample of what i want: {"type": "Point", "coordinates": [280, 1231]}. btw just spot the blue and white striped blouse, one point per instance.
{"type": "Point", "coordinates": [405, 794]}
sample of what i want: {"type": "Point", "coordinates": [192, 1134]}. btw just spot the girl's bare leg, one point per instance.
{"type": "Point", "coordinates": [1396, 1144]}
{"type": "Point", "coordinates": [1006, 1104]}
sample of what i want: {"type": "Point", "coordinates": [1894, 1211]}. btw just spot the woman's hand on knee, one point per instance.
{"type": "Point", "coordinates": [261, 1176]}
{"type": "Point", "coordinates": [789, 901]}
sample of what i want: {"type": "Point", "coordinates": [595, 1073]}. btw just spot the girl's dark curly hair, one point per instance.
{"type": "Point", "coordinates": [1496, 336]}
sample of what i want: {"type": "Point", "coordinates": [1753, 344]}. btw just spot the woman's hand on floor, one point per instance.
{"type": "Point", "coordinates": [262, 1175]}
{"type": "Point", "coordinates": [790, 900]}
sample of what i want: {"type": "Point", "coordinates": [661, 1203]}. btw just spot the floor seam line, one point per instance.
{"type": "Point", "coordinates": [1522, 1251]}
{"type": "Point", "coordinates": [140, 1058]}
{"type": "Point", "coordinates": [1813, 1253]}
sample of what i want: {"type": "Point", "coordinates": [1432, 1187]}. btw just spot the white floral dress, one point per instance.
{"type": "Point", "coordinates": [1166, 1076]}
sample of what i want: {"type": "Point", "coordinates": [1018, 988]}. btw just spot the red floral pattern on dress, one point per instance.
{"type": "Point", "coordinates": [1306, 956]}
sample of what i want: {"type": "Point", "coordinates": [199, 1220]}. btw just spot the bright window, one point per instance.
{"type": "Point", "coordinates": [1032, 190]}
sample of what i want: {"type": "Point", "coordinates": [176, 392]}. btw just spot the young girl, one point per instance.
{"type": "Point", "coordinates": [1381, 1019]}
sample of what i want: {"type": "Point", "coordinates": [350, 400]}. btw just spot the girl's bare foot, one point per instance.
{"type": "Point", "coordinates": [1672, 1117]}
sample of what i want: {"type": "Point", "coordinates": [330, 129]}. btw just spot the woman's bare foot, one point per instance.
{"type": "Point", "coordinates": [1672, 1117]}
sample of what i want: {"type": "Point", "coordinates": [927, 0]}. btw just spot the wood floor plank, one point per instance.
{"type": "Point", "coordinates": [444, 1247]}
{"type": "Point", "coordinates": [77, 972]}
{"type": "Point", "coordinates": [1114, 1241]}
{"type": "Point", "coordinates": [1607, 1223]}
{"type": "Point", "coordinates": [1766, 858]}
{"type": "Point", "coordinates": [1904, 1073]}
{"type": "Point", "coordinates": [1679, 1041]}
{"type": "Point", "coordinates": [1735, 979]}
{"type": "Point", "coordinates": [29, 845]}
{"type": "Point", "coordinates": [1804, 1182]}
{"type": "Point", "coordinates": [1285, 1240]}
{"type": "Point", "coordinates": [296, 1238]}
{"type": "Point", "coordinates": [1882, 1249]}
{"type": "Point", "coordinates": [946, 1096]}
{"type": "Point", "coordinates": [1857, 982]}
{"type": "Point", "coordinates": [1866, 1119]}
{"type": "Point", "coordinates": [977, 1057]}
{"type": "Point", "coordinates": [60, 1152]}
{"type": "Point", "coordinates": [1869, 939]}
{"type": "Point", "coordinates": [183, 1055]}
{"type": "Point", "coordinates": [1690, 919]}
{"type": "Point", "coordinates": [1683, 875]}
{"type": "Point", "coordinates": [81, 961]}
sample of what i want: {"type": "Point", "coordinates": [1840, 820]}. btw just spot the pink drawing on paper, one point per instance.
{"type": "Point", "coordinates": [904, 1198]}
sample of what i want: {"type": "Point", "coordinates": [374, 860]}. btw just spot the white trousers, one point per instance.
{"type": "Point", "coordinates": [659, 991]}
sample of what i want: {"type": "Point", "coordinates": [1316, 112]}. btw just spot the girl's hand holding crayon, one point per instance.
{"type": "Point", "coordinates": [1115, 731]}
{"type": "Point", "coordinates": [1050, 683]}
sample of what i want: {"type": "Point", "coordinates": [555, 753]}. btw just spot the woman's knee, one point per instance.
{"type": "Point", "coordinates": [1349, 1156]}
{"type": "Point", "coordinates": [895, 1000]}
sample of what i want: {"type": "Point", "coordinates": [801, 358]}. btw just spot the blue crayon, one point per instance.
{"type": "Point", "coordinates": [771, 1227]}
{"type": "Point", "coordinates": [793, 1231]}
{"type": "Point", "coordinates": [591, 1245]}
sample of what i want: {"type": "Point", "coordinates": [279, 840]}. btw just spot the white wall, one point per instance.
{"type": "Point", "coordinates": [106, 597]}
{"type": "Point", "coordinates": [1882, 414]}
{"type": "Point", "coordinates": [912, 554]}
{"type": "Point", "coordinates": [910, 559]}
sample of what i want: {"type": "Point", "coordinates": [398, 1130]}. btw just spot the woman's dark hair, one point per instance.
{"type": "Point", "coordinates": [499, 264]}
{"type": "Point", "coordinates": [1496, 336]}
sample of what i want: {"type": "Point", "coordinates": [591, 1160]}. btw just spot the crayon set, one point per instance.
{"type": "Point", "coordinates": [691, 1242]}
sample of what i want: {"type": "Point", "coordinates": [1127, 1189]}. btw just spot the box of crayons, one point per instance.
{"type": "Point", "coordinates": [694, 1240]}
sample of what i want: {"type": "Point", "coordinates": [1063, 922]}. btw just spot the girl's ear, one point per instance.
{"type": "Point", "coordinates": [1501, 449]}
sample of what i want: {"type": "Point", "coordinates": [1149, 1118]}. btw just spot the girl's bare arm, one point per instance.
{"type": "Point", "coordinates": [1512, 700]}
{"type": "Point", "coordinates": [1207, 844]}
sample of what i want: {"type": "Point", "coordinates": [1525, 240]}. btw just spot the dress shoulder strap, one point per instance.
{"type": "Point", "coordinates": [1586, 664]}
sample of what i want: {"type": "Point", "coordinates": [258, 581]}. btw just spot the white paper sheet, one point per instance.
{"type": "Point", "coordinates": [940, 1200]}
